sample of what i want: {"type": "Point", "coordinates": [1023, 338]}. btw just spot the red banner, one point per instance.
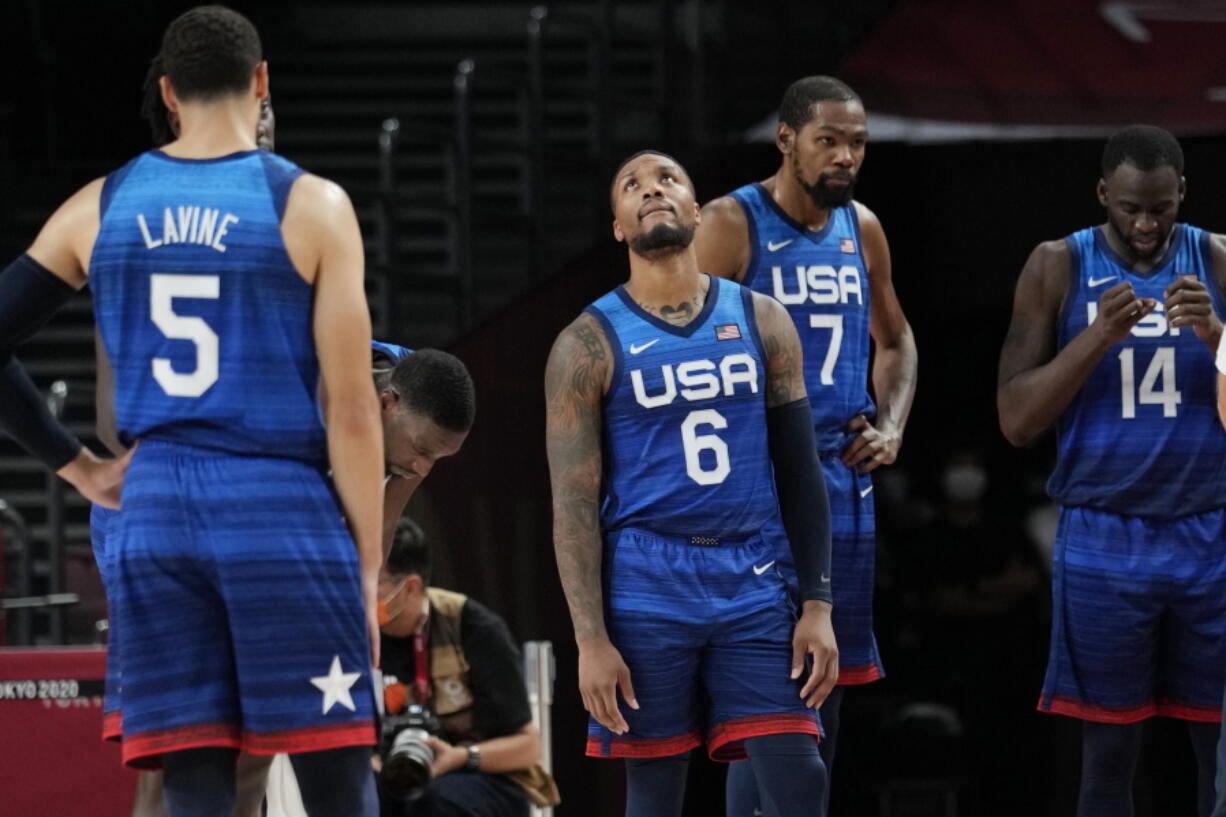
{"type": "Point", "coordinates": [52, 757]}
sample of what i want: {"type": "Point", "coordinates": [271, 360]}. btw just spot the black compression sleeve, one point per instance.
{"type": "Point", "coordinates": [803, 501]}
{"type": "Point", "coordinates": [29, 295]}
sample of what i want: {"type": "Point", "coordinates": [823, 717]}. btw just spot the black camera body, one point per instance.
{"type": "Point", "coordinates": [407, 758]}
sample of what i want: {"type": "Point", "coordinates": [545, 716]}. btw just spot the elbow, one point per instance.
{"type": "Point", "coordinates": [1012, 424]}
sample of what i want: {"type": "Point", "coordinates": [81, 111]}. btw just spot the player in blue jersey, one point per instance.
{"type": "Point", "coordinates": [1112, 342]}
{"type": "Point", "coordinates": [680, 450]}
{"type": "Point", "coordinates": [801, 238]}
{"type": "Point", "coordinates": [228, 292]}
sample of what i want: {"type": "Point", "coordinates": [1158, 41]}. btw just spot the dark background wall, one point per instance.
{"type": "Point", "coordinates": [957, 705]}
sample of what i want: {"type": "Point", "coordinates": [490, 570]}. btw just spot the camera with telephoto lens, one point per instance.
{"type": "Point", "coordinates": [407, 758]}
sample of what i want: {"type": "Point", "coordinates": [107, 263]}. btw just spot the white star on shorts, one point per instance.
{"type": "Point", "coordinates": [335, 686]}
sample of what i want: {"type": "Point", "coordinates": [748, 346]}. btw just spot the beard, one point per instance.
{"type": "Point", "coordinates": [824, 194]}
{"type": "Point", "coordinates": [662, 241]}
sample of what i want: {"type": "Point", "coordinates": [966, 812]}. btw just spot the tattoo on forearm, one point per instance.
{"type": "Point", "coordinates": [574, 380]}
{"type": "Point", "coordinates": [781, 368]}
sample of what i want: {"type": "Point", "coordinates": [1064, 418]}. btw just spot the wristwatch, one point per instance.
{"type": "Point", "coordinates": [474, 757]}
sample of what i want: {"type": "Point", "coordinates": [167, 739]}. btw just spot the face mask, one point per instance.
{"type": "Point", "coordinates": [382, 609]}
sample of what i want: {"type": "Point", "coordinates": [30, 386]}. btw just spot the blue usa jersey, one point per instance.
{"type": "Point", "coordinates": [822, 279]}
{"type": "Point", "coordinates": [685, 448]}
{"type": "Point", "coordinates": [1142, 436]}
{"type": "Point", "coordinates": [205, 320]}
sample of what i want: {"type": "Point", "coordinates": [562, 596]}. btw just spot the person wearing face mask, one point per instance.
{"type": "Point", "coordinates": [455, 657]}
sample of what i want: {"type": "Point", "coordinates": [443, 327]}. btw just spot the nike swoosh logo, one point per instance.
{"type": "Point", "coordinates": [1096, 281]}
{"type": "Point", "coordinates": [772, 246]}
{"type": "Point", "coordinates": [825, 579]}
{"type": "Point", "coordinates": [760, 570]}
{"type": "Point", "coordinates": [635, 348]}
{"type": "Point", "coordinates": [866, 492]}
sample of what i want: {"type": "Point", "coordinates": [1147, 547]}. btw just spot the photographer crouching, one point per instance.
{"type": "Point", "coordinates": [458, 737]}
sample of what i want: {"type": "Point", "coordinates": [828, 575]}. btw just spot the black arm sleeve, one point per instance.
{"type": "Point", "coordinates": [803, 501]}
{"type": "Point", "coordinates": [500, 699]}
{"type": "Point", "coordinates": [29, 295]}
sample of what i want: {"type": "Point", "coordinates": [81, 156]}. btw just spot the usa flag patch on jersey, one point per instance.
{"type": "Point", "coordinates": [727, 331]}
{"type": "Point", "coordinates": [848, 246]}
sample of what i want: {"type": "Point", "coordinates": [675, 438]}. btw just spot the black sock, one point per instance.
{"type": "Point", "coordinates": [790, 773]}
{"type": "Point", "coordinates": [655, 786]}
{"type": "Point", "coordinates": [1108, 760]}
{"type": "Point", "coordinates": [199, 782]}
{"type": "Point", "coordinates": [337, 782]}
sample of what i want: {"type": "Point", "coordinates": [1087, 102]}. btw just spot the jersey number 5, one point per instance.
{"type": "Point", "coordinates": [1162, 365]}
{"type": "Point", "coordinates": [163, 289]}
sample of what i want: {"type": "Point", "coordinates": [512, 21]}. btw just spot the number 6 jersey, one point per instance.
{"type": "Point", "coordinates": [205, 320]}
{"type": "Point", "coordinates": [685, 448]}
{"type": "Point", "coordinates": [1142, 437]}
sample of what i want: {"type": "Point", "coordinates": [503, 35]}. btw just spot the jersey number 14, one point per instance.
{"type": "Point", "coordinates": [1162, 365]}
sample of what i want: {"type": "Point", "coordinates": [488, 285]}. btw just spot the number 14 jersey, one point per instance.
{"type": "Point", "coordinates": [1142, 437]}
{"type": "Point", "coordinates": [685, 450]}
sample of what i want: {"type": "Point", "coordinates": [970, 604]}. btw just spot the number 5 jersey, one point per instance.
{"type": "Point", "coordinates": [1142, 437]}
{"type": "Point", "coordinates": [205, 320]}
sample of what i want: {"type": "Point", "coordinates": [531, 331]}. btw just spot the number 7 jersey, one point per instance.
{"type": "Point", "coordinates": [205, 320]}
{"type": "Point", "coordinates": [685, 449]}
{"type": "Point", "coordinates": [821, 277]}
{"type": "Point", "coordinates": [1142, 437]}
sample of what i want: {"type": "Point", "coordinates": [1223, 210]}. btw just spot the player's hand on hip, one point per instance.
{"type": "Point", "coordinates": [1187, 303]}
{"type": "Point", "coordinates": [872, 446]}
{"type": "Point", "coordinates": [814, 635]}
{"type": "Point", "coordinates": [601, 672]}
{"type": "Point", "coordinates": [1119, 309]}
{"type": "Point", "coordinates": [98, 480]}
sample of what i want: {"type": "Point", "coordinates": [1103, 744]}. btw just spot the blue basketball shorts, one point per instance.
{"type": "Point", "coordinates": [1139, 618]}
{"type": "Point", "coordinates": [706, 631]}
{"type": "Point", "coordinates": [100, 521]}
{"type": "Point", "coordinates": [236, 594]}
{"type": "Point", "coordinates": [853, 534]}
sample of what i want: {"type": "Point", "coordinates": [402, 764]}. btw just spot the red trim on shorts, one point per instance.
{"type": "Point", "coordinates": [850, 676]}
{"type": "Point", "coordinates": [621, 746]}
{"type": "Point", "coordinates": [311, 739]}
{"type": "Point", "coordinates": [1076, 708]}
{"type": "Point", "coordinates": [144, 751]}
{"type": "Point", "coordinates": [724, 739]}
{"type": "Point", "coordinates": [112, 725]}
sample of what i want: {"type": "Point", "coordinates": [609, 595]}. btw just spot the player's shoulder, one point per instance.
{"type": "Point", "coordinates": [768, 312]}
{"type": "Point", "coordinates": [1050, 258]}
{"type": "Point", "coordinates": [725, 209]}
{"type": "Point", "coordinates": [580, 333]}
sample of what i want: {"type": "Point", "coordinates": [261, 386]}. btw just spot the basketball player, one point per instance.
{"type": "Point", "coordinates": [228, 285]}
{"type": "Point", "coordinates": [676, 409]}
{"type": "Point", "coordinates": [1112, 341]}
{"type": "Point", "coordinates": [800, 238]}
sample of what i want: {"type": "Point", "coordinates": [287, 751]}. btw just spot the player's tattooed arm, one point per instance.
{"type": "Point", "coordinates": [722, 239]}
{"type": "Point", "coordinates": [575, 380]}
{"type": "Point", "coordinates": [1036, 383]}
{"type": "Point", "coordinates": [785, 377]}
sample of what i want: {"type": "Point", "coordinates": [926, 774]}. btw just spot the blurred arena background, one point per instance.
{"type": "Point", "coordinates": [477, 139]}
